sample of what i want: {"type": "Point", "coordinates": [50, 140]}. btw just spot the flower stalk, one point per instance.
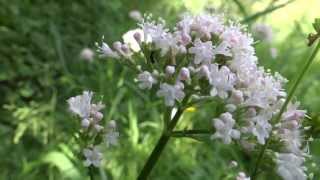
{"type": "Point", "coordinates": [162, 142]}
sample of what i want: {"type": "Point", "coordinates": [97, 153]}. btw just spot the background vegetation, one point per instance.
{"type": "Point", "coordinates": [40, 68]}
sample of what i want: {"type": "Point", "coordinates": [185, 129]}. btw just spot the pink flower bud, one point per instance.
{"type": "Point", "coordinates": [137, 37]}
{"type": "Point", "coordinates": [204, 71]}
{"type": "Point", "coordinates": [184, 74]}
{"type": "Point", "coordinates": [236, 97]}
{"type": "Point", "coordinates": [98, 115]}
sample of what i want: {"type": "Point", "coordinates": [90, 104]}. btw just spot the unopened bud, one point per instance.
{"type": "Point", "coordinates": [184, 74]}
{"type": "Point", "coordinates": [112, 124]}
{"type": "Point", "coordinates": [137, 37]}
{"type": "Point", "coordinates": [170, 70]}
{"type": "Point", "coordinates": [85, 123]}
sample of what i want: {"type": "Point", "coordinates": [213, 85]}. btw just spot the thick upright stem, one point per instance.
{"type": "Point", "coordinates": [153, 158]}
{"type": "Point", "coordinates": [284, 106]}
{"type": "Point", "coordinates": [91, 173]}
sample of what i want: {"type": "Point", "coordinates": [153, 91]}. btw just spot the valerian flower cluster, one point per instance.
{"type": "Point", "coordinates": [91, 129]}
{"type": "Point", "coordinates": [205, 56]}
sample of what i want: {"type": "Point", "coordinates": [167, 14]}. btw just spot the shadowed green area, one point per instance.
{"type": "Point", "coordinates": [40, 68]}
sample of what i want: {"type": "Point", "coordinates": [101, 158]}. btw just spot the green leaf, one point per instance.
{"type": "Point", "coordinates": [316, 25]}
{"type": "Point", "coordinates": [63, 163]}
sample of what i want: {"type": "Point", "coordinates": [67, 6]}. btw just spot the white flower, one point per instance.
{"type": "Point", "coordinates": [292, 113]}
{"type": "Point", "coordinates": [106, 51]}
{"type": "Point", "coordinates": [236, 97]}
{"type": "Point", "coordinates": [223, 49]}
{"type": "Point", "coordinates": [263, 32]}
{"type": "Point", "coordinates": [130, 38]}
{"type": "Point", "coordinates": [87, 54]}
{"type": "Point", "coordinates": [222, 81]}
{"type": "Point", "coordinates": [171, 93]}
{"type": "Point", "coordinates": [170, 70]}
{"type": "Point", "coordinates": [135, 15]}
{"type": "Point", "coordinates": [260, 126]}
{"type": "Point", "coordinates": [203, 52]}
{"type": "Point", "coordinates": [288, 131]}
{"type": "Point", "coordinates": [158, 34]}
{"type": "Point", "coordinates": [242, 176]}
{"type": "Point", "coordinates": [81, 104]}
{"type": "Point", "coordinates": [93, 157]}
{"type": "Point", "coordinates": [205, 25]}
{"type": "Point", "coordinates": [224, 128]}
{"type": "Point", "coordinates": [112, 134]}
{"type": "Point", "coordinates": [146, 80]}
{"type": "Point", "coordinates": [112, 138]}
{"type": "Point", "coordinates": [290, 166]}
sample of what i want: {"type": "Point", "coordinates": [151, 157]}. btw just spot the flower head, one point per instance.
{"type": "Point", "coordinates": [81, 104]}
{"type": "Point", "coordinates": [224, 128]}
{"type": "Point", "coordinates": [171, 93]}
{"type": "Point", "coordinates": [146, 80]}
{"type": "Point", "coordinates": [93, 156]}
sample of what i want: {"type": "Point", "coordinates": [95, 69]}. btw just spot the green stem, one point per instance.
{"type": "Point", "coordinates": [242, 9]}
{"type": "Point", "coordinates": [264, 12]}
{"type": "Point", "coordinates": [284, 106]}
{"type": "Point", "coordinates": [153, 158]}
{"type": "Point", "coordinates": [186, 133]}
{"type": "Point", "coordinates": [91, 174]}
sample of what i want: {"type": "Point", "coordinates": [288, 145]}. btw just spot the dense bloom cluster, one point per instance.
{"type": "Point", "coordinates": [91, 117]}
{"type": "Point", "coordinates": [205, 56]}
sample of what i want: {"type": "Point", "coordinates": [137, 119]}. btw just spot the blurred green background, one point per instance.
{"type": "Point", "coordinates": [40, 43]}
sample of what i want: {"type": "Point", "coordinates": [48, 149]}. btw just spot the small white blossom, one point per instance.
{"type": "Point", "coordinates": [224, 128]}
{"type": "Point", "coordinates": [290, 166]}
{"type": "Point", "coordinates": [93, 156]}
{"type": "Point", "coordinates": [133, 38]}
{"type": "Point", "coordinates": [170, 70]}
{"type": "Point", "coordinates": [260, 126]}
{"type": "Point", "coordinates": [81, 104]}
{"type": "Point", "coordinates": [203, 51]}
{"type": "Point", "coordinates": [112, 134]}
{"type": "Point", "coordinates": [146, 80]}
{"type": "Point", "coordinates": [222, 81]}
{"type": "Point", "coordinates": [242, 176]}
{"type": "Point", "coordinates": [171, 93]}
{"type": "Point", "coordinates": [106, 51]}
{"type": "Point", "coordinates": [205, 25]}
{"type": "Point", "coordinates": [223, 49]}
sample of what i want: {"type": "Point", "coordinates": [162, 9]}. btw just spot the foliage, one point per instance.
{"type": "Point", "coordinates": [40, 68]}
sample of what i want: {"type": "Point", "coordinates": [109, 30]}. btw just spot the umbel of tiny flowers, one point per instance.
{"type": "Point", "coordinates": [91, 130]}
{"type": "Point", "coordinates": [207, 56]}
